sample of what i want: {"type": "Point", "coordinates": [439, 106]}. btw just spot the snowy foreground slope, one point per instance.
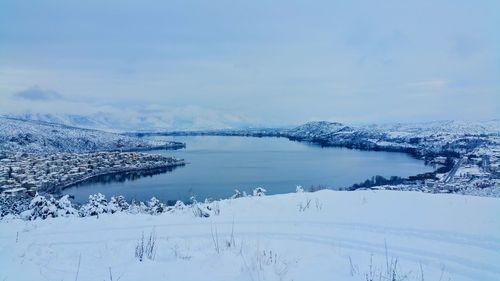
{"type": "Point", "coordinates": [326, 235]}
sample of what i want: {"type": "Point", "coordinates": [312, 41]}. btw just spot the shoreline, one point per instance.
{"type": "Point", "coordinates": [445, 159]}
{"type": "Point", "coordinates": [168, 146]}
{"type": "Point", "coordinates": [51, 173]}
{"type": "Point", "coordinates": [411, 151]}
{"type": "Point", "coordinates": [61, 187]}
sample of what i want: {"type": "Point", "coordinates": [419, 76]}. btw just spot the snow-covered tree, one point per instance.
{"type": "Point", "coordinates": [179, 205]}
{"type": "Point", "coordinates": [155, 206]}
{"type": "Point", "coordinates": [12, 206]}
{"type": "Point", "coordinates": [40, 207]}
{"type": "Point", "coordinates": [65, 207]}
{"type": "Point", "coordinates": [299, 189]}
{"type": "Point", "coordinates": [237, 194]}
{"type": "Point", "coordinates": [259, 191]}
{"type": "Point", "coordinates": [137, 208]}
{"type": "Point", "coordinates": [118, 204]}
{"type": "Point", "coordinates": [97, 205]}
{"type": "Point", "coordinates": [43, 207]}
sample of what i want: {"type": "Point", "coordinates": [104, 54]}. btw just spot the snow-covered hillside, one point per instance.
{"type": "Point", "coordinates": [326, 235]}
{"type": "Point", "coordinates": [39, 137]}
{"type": "Point", "coordinates": [422, 139]}
{"type": "Point", "coordinates": [418, 138]}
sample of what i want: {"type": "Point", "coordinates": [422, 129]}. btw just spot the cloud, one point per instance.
{"type": "Point", "coordinates": [293, 64]}
{"type": "Point", "coordinates": [49, 106]}
{"type": "Point", "coordinates": [435, 84]}
{"type": "Point", "coordinates": [35, 93]}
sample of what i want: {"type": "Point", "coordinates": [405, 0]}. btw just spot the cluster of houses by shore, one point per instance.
{"type": "Point", "coordinates": [475, 173]}
{"type": "Point", "coordinates": [29, 173]}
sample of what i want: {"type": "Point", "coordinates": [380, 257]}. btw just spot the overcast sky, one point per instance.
{"type": "Point", "coordinates": [261, 62]}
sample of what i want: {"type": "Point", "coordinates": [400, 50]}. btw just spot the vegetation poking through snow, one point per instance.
{"type": "Point", "coordinates": [146, 248]}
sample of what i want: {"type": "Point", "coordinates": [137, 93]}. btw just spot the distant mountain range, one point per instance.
{"type": "Point", "coordinates": [420, 139]}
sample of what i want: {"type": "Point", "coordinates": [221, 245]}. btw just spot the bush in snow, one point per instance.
{"type": "Point", "coordinates": [118, 204]}
{"type": "Point", "coordinates": [259, 191]}
{"type": "Point", "coordinates": [238, 194]}
{"type": "Point", "coordinates": [137, 208]}
{"type": "Point", "coordinates": [155, 206]}
{"type": "Point", "coordinates": [65, 207]}
{"type": "Point", "coordinates": [199, 211]}
{"type": "Point", "coordinates": [179, 205]}
{"type": "Point", "coordinates": [13, 205]}
{"type": "Point", "coordinates": [214, 208]}
{"type": "Point", "coordinates": [97, 205]}
{"type": "Point", "coordinates": [265, 265]}
{"type": "Point", "coordinates": [299, 189]}
{"type": "Point", "coordinates": [42, 207]}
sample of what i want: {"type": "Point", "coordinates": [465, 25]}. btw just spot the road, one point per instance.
{"type": "Point", "coordinates": [453, 171]}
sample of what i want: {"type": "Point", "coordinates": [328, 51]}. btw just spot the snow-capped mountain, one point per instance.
{"type": "Point", "coordinates": [40, 137]}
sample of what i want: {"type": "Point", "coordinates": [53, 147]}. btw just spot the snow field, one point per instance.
{"type": "Point", "coordinates": [326, 235]}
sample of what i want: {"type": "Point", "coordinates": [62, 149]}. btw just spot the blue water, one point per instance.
{"type": "Point", "coordinates": [218, 165]}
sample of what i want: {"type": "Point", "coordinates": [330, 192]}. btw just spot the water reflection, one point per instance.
{"type": "Point", "coordinates": [125, 176]}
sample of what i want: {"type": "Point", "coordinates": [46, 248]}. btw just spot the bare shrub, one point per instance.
{"type": "Point", "coordinates": [265, 265]}
{"type": "Point", "coordinates": [390, 271]}
{"type": "Point", "coordinates": [304, 205]}
{"type": "Point", "coordinates": [319, 205]}
{"type": "Point", "coordinates": [215, 239]}
{"type": "Point", "coordinates": [199, 212]}
{"type": "Point", "coordinates": [180, 254]}
{"type": "Point", "coordinates": [146, 248]}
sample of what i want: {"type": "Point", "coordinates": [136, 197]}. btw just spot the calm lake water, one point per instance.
{"type": "Point", "coordinates": [218, 165]}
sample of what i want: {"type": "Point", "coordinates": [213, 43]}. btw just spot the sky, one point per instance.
{"type": "Point", "coordinates": [263, 63]}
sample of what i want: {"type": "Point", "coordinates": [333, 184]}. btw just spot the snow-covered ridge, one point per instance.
{"type": "Point", "coordinates": [40, 137]}
{"type": "Point", "coordinates": [447, 138]}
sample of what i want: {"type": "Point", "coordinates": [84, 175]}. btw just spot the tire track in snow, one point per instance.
{"type": "Point", "coordinates": [489, 243]}
{"type": "Point", "coordinates": [455, 264]}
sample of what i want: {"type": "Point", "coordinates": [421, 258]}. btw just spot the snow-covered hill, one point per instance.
{"type": "Point", "coordinates": [40, 137]}
{"type": "Point", "coordinates": [326, 235]}
{"type": "Point", "coordinates": [420, 139]}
